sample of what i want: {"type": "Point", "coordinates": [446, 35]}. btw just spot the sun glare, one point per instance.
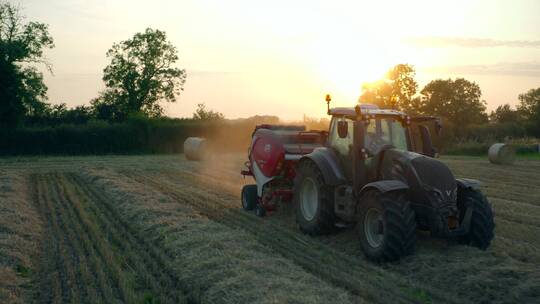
{"type": "Point", "coordinates": [345, 61]}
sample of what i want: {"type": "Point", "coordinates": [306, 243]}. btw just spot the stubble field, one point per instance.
{"type": "Point", "coordinates": [160, 229]}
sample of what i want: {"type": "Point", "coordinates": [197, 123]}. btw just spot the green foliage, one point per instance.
{"type": "Point", "coordinates": [530, 107]}
{"type": "Point", "coordinates": [95, 137]}
{"type": "Point", "coordinates": [21, 44]}
{"type": "Point", "coordinates": [201, 113]}
{"type": "Point", "coordinates": [456, 100]}
{"type": "Point", "coordinates": [23, 270]}
{"type": "Point", "coordinates": [471, 148]}
{"type": "Point", "coordinates": [505, 114]}
{"type": "Point", "coordinates": [530, 104]}
{"type": "Point", "coordinates": [136, 135]}
{"type": "Point", "coordinates": [139, 76]}
{"type": "Point", "coordinates": [525, 148]}
{"type": "Point", "coordinates": [395, 91]}
{"type": "Point", "coordinates": [53, 115]}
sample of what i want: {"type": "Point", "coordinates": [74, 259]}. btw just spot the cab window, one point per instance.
{"type": "Point", "coordinates": [341, 145]}
{"type": "Point", "coordinates": [384, 131]}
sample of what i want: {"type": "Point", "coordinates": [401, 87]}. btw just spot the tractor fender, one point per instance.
{"type": "Point", "coordinates": [384, 186]}
{"type": "Point", "coordinates": [328, 162]}
{"type": "Point", "coordinates": [468, 183]}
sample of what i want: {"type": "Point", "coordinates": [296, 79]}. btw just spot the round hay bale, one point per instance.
{"type": "Point", "coordinates": [501, 154]}
{"type": "Point", "coordinates": [195, 148]}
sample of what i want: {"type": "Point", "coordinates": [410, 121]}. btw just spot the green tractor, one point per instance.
{"type": "Point", "coordinates": [369, 173]}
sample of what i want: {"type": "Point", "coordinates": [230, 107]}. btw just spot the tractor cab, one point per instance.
{"type": "Point", "coordinates": [381, 129]}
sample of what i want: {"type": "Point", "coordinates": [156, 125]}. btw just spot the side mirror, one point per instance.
{"type": "Point", "coordinates": [342, 129]}
{"type": "Point", "coordinates": [427, 144]}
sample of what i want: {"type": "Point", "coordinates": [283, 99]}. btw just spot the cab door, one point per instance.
{"type": "Point", "coordinates": [424, 135]}
{"type": "Point", "coordinates": [342, 146]}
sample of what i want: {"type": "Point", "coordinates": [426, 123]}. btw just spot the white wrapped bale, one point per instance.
{"type": "Point", "coordinates": [195, 148]}
{"type": "Point", "coordinates": [502, 154]}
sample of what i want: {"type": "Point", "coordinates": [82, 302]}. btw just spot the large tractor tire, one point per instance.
{"type": "Point", "coordinates": [386, 226]}
{"type": "Point", "coordinates": [313, 200]}
{"type": "Point", "coordinates": [482, 225]}
{"type": "Point", "coordinates": [249, 197]}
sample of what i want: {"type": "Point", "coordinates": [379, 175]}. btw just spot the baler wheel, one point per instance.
{"type": "Point", "coordinates": [249, 197]}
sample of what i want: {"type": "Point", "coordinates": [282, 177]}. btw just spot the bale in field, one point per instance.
{"type": "Point", "coordinates": [195, 148]}
{"type": "Point", "coordinates": [501, 154]}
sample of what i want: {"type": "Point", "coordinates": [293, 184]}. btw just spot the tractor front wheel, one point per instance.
{"type": "Point", "coordinates": [481, 227]}
{"type": "Point", "coordinates": [313, 199]}
{"type": "Point", "coordinates": [387, 226]}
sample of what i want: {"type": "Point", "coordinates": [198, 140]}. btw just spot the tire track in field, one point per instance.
{"type": "Point", "coordinates": [90, 255]}
{"type": "Point", "coordinates": [315, 257]}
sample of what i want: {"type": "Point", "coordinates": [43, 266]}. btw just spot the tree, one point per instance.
{"type": "Point", "coordinates": [60, 114]}
{"type": "Point", "coordinates": [530, 105]}
{"type": "Point", "coordinates": [396, 90]}
{"type": "Point", "coordinates": [140, 75]}
{"type": "Point", "coordinates": [22, 91]}
{"type": "Point", "coordinates": [505, 114]}
{"type": "Point", "coordinates": [457, 100]}
{"type": "Point", "coordinates": [107, 107]}
{"type": "Point", "coordinates": [201, 113]}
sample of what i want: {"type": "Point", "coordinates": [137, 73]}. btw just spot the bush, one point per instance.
{"type": "Point", "coordinates": [98, 137]}
{"type": "Point", "coordinates": [137, 135]}
{"type": "Point", "coordinates": [476, 148]}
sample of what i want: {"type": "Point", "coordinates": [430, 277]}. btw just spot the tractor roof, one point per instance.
{"type": "Point", "coordinates": [368, 109]}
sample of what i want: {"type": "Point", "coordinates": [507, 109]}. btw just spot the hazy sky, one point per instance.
{"type": "Point", "coordinates": [280, 57]}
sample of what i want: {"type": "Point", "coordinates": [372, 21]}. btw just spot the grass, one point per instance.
{"type": "Point", "coordinates": [529, 156]}
{"type": "Point", "coordinates": [20, 230]}
{"type": "Point", "coordinates": [158, 229]}
{"type": "Point", "coordinates": [524, 147]}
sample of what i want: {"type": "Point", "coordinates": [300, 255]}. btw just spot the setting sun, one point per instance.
{"type": "Point", "coordinates": [343, 64]}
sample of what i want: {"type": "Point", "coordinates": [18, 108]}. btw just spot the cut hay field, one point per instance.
{"type": "Point", "coordinates": [160, 229]}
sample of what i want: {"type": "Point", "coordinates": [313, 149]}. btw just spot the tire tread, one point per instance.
{"type": "Point", "coordinates": [400, 228]}
{"type": "Point", "coordinates": [326, 218]}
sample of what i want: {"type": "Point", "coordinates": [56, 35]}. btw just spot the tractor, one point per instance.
{"type": "Point", "coordinates": [374, 169]}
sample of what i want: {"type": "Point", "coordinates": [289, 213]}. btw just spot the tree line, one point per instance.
{"type": "Point", "coordinates": [458, 101]}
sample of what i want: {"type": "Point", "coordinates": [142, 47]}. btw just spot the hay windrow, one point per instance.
{"type": "Point", "coordinates": [20, 230]}
{"type": "Point", "coordinates": [220, 264]}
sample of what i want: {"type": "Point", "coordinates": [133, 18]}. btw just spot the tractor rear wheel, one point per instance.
{"type": "Point", "coordinates": [481, 228]}
{"type": "Point", "coordinates": [313, 200]}
{"type": "Point", "coordinates": [249, 197]}
{"type": "Point", "coordinates": [387, 226]}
